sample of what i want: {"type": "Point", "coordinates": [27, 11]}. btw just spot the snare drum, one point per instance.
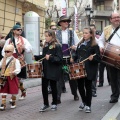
{"type": "Point", "coordinates": [77, 70]}
{"type": "Point", "coordinates": [111, 55]}
{"type": "Point", "coordinates": [34, 70]}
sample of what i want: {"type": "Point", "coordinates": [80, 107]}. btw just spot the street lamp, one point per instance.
{"type": "Point", "coordinates": [89, 13]}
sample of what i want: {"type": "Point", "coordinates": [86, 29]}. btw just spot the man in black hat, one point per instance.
{"type": "Point", "coordinates": [68, 39]}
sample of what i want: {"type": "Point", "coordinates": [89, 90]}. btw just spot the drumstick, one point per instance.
{"type": "Point", "coordinates": [86, 59]}
{"type": "Point", "coordinates": [42, 58]}
{"type": "Point", "coordinates": [68, 48]}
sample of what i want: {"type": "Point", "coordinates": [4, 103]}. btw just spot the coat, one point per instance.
{"type": "Point", "coordinates": [51, 68]}
{"type": "Point", "coordinates": [84, 52]}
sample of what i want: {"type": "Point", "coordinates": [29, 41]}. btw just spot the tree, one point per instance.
{"type": "Point", "coordinates": [53, 12]}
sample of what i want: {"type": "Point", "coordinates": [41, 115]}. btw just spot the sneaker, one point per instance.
{"type": "Point", "coordinates": [44, 108]}
{"type": "Point", "coordinates": [13, 106]}
{"type": "Point", "coordinates": [2, 107]}
{"type": "Point", "coordinates": [23, 96]}
{"type": "Point", "coordinates": [87, 109]}
{"type": "Point", "coordinates": [54, 107]}
{"type": "Point", "coordinates": [81, 107]}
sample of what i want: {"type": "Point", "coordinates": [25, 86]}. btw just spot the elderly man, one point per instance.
{"type": "Point", "coordinates": [21, 45]}
{"type": "Point", "coordinates": [111, 34]}
{"type": "Point", "coordinates": [68, 39]}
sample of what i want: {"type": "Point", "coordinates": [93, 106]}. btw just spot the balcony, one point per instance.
{"type": "Point", "coordinates": [102, 10]}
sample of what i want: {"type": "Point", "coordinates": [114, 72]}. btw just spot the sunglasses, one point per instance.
{"type": "Point", "coordinates": [65, 21]}
{"type": "Point", "coordinates": [54, 29]}
{"type": "Point", "coordinates": [19, 29]}
{"type": "Point", "coordinates": [7, 51]}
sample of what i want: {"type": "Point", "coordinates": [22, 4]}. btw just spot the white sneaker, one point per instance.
{"type": "Point", "coordinates": [13, 106]}
{"type": "Point", "coordinates": [22, 98]}
{"type": "Point", "coordinates": [82, 106]}
{"type": "Point", "coordinates": [87, 109]}
{"type": "Point", "coordinates": [54, 107]}
{"type": "Point", "coordinates": [2, 107]}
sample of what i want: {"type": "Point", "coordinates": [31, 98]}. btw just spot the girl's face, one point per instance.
{"type": "Point", "coordinates": [86, 34]}
{"type": "Point", "coordinates": [47, 37]}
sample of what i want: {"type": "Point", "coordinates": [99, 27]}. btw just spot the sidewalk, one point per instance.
{"type": "Point", "coordinates": [28, 109]}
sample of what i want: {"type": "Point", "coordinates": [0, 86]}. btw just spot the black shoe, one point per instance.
{"type": "Point", "coordinates": [94, 94]}
{"type": "Point", "coordinates": [58, 101]}
{"type": "Point", "coordinates": [64, 91]}
{"type": "Point", "coordinates": [76, 98]}
{"type": "Point", "coordinates": [113, 101]}
{"type": "Point", "coordinates": [100, 85]}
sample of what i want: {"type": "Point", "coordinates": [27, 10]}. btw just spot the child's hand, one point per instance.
{"type": "Point", "coordinates": [12, 73]}
{"type": "Point", "coordinates": [90, 57]}
{"type": "Point", "coordinates": [47, 57]}
{"type": "Point", "coordinates": [71, 60]}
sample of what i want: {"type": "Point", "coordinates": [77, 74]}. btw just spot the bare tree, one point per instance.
{"type": "Point", "coordinates": [54, 13]}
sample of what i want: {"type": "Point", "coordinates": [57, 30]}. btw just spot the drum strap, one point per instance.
{"type": "Point", "coordinates": [112, 34]}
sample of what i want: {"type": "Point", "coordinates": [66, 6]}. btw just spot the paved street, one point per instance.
{"type": "Point", "coordinates": [28, 109]}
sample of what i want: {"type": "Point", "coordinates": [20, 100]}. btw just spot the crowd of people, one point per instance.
{"type": "Point", "coordinates": [62, 47]}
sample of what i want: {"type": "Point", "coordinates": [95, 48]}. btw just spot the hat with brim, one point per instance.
{"type": "Point", "coordinates": [63, 18]}
{"type": "Point", "coordinates": [16, 27]}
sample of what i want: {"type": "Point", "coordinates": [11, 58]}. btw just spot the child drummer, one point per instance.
{"type": "Point", "coordinates": [10, 67]}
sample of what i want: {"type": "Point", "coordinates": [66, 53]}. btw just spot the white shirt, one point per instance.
{"type": "Point", "coordinates": [115, 39]}
{"type": "Point", "coordinates": [65, 37]}
{"type": "Point", "coordinates": [17, 65]}
{"type": "Point", "coordinates": [28, 47]}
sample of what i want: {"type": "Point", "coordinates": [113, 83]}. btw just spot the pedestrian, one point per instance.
{"type": "Point", "coordinates": [86, 48]}
{"type": "Point", "coordinates": [10, 67]}
{"type": "Point", "coordinates": [111, 34]}
{"type": "Point", "coordinates": [52, 67]}
{"type": "Point", "coordinates": [68, 39]}
{"type": "Point", "coordinates": [21, 45]}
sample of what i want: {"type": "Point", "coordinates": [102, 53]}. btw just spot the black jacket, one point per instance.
{"type": "Point", "coordinates": [51, 68]}
{"type": "Point", "coordinates": [84, 52]}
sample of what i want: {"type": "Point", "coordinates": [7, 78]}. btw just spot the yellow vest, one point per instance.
{"type": "Point", "coordinates": [107, 32]}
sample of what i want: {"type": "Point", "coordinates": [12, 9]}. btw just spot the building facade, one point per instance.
{"type": "Point", "coordinates": [12, 11]}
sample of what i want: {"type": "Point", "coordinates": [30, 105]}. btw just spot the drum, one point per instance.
{"type": "Point", "coordinates": [111, 55]}
{"type": "Point", "coordinates": [34, 70]}
{"type": "Point", "coordinates": [77, 70]}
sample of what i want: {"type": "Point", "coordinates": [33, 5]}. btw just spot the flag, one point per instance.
{"type": "Point", "coordinates": [63, 7]}
{"type": "Point", "coordinates": [75, 19]}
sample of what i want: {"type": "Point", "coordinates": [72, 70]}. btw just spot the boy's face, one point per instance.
{"type": "Point", "coordinates": [8, 53]}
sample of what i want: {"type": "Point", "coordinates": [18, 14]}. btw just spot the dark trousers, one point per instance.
{"type": "Point", "coordinates": [53, 85]}
{"type": "Point", "coordinates": [114, 74]}
{"type": "Point", "coordinates": [101, 73]}
{"type": "Point", "coordinates": [94, 82]}
{"type": "Point", "coordinates": [85, 89]}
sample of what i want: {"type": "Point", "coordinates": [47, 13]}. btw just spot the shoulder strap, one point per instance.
{"type": "Point", "coordinates": [70, 37]}
{"type": "Point", "coordinates": [8, 63]}
{"type": "Point", "coordinates": [112, 34]}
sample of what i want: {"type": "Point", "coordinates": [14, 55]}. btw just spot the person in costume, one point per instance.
{"type": "Point", "coordinates": [21, 45]}
{"type": "Point", "coordinates": [10, 67]}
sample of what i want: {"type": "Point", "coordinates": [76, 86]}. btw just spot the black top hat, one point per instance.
{"type": "Point", "coordinates": [63, 18]}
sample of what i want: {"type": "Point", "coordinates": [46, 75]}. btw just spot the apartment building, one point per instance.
{"type": "Point", "coordinates": [103, 10]}
{"type": "Point", "coordinates": [12, 11]}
